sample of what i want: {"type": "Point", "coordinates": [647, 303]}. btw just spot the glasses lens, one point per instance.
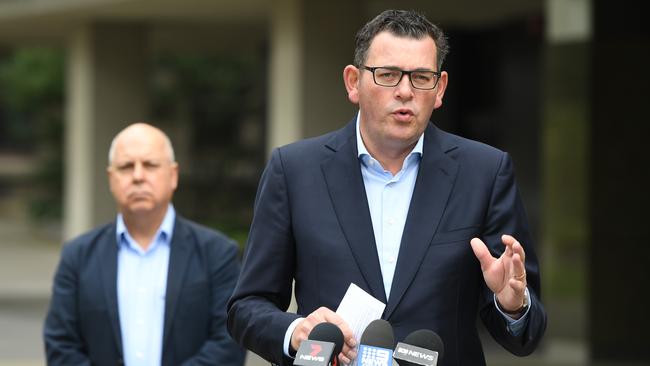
{"type": "Point", "coordinates": [387, 77]}
{"type": "Point", "coordinates": [424, 79]}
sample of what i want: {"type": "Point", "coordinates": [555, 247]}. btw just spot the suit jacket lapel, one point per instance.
{"type": "Point", "coordinates": [348, 195]}
{"type": "Point", "coordinates": [108, 270]}
{"type": "Point", "coordinates": [179, 255]}
{"type": "Point", "coordinates": [436, 177]}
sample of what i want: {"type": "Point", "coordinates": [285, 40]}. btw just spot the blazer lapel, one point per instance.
{"type": "Point", "coordinates": [345, 184]}
{"type": "Point", "coordinates": [179, 255]}
{"type": "Point", "coordinates": [436, 177]}
{"type": "Point", "coordinates": [108, 270]}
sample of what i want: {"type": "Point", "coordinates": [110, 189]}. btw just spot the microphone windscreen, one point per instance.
{"type": "Point", "coordinates": [379, 333]}
{"type": "Point", "coordinates": [426, 338]}
{"type": "Point", "coordinates": [328, 332]}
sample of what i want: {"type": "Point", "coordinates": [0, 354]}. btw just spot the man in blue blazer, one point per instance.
{"type": "Point", "coordinates": [421, 219]}
{"type": "Point", "coordinates": [150, 288]}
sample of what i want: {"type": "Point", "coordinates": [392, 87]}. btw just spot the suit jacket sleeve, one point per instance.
{"type": "Point", "coordinates": [62, 336]}
{"type": "Point", "coordinates": [222, 265]}
{"type": "Point", "coordinates": [256, 312]}
{"type": "Point", "coordinates": [506, 215]}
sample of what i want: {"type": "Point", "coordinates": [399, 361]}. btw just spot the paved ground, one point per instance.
{"type": "Point", "coordinates": [28, 259]}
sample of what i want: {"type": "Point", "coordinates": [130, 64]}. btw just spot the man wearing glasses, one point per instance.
{"type": "Point", "coordinates": [429, 223]}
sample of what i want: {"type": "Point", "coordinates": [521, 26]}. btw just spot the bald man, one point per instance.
{"type": "Point", "coordinates": [151, 287]}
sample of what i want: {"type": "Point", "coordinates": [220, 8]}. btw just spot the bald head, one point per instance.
{"type": "Point", "coordinates": [142, 172]}
{"type": "Point", "coordinates": [141, 130]}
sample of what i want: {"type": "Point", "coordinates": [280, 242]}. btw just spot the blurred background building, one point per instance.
{"type": "Point", "coordinates": [560, 84]}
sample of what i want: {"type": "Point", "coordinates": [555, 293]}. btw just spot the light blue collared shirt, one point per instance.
{"type": "Point", "coordinates": [141, 288]}
{"type": "Point", "coordinates": [389, 198]}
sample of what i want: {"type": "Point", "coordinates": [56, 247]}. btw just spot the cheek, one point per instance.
{"type": "Point", "coordinates": [119, 187]}
{"type": "Point", "coordinates": [372, 101]}
{"type": "Point", "coordinates": [429, 103]}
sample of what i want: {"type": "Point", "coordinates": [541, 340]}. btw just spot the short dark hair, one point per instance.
{"type": "Point", "coordinates": [401, 23]}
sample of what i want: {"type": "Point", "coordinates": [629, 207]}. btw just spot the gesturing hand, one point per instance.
{"type": "Point", "coordinates": [506, 275]}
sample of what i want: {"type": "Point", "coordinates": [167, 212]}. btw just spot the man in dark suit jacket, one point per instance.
{"type": "Point", "coordinates": [150, 288]}
{"type": "Point", "coordinates": [325, 217]}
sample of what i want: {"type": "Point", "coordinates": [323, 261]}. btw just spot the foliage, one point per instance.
{"type": "Point", "coordinates": [31, 100]}
{"type": "Point", "coordinates": [220, 96]}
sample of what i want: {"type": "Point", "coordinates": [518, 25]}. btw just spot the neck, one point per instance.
{"type": "Point", "coordinates": [143, 227]}
{"type": "Point", "coordinates": [391, 158]}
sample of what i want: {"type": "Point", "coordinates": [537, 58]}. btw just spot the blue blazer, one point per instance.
{"type": "Point", "coordinates": [312, 224]}
{"type": "Point", "coordinates": [82, 326]}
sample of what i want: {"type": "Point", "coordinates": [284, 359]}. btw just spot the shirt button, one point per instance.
{"type": "Point", "coordinates": [391, 221]}
{"type": "Point", "coordinates": [391, 259]}
{"type": "Point", "coordinates": [139, 355]}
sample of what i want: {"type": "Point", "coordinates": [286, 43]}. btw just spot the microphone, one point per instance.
{"type": "Point", "coordinates": [376, 346]}
{"type": "Point", "coordinates": [421, 348]}
{"type": "Point", "coordinates": [322, 346]}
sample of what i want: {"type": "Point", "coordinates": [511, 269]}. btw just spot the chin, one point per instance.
{"type": "Point", "coordinates": [140, 208]}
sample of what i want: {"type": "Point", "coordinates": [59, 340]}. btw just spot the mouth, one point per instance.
{"type": "Point", "coordinates": [403, 114]}
{"type": "Point", "coordinates": [139, 195]}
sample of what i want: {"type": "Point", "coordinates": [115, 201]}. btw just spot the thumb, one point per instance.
{"type": "Point", "coordinates": [482, 253]}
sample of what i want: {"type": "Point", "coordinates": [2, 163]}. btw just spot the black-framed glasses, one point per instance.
{"type": "Point", "coordinates": [391, 76]}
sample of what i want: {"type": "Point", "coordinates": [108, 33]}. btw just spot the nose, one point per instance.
{"type": "Point", "coordinates": [404, 90]}
{"type": "Point", "coordinates": [138, 172]}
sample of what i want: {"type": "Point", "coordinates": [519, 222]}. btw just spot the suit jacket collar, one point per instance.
{"type": "Point", "coordinates": [108, 270]}
{"type": "Point", "coordinates": [348, 195]}
{"type": "Point", "coordinates": [436, 176]}
{"type": "Point", "coordinates": [179, 255]}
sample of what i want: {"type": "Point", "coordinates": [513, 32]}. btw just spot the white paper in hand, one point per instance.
{"type": "Point", "coordinates": [358, 308]}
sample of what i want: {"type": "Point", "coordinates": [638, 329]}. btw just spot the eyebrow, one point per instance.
{"type": "Point", "coordinates": [400, 69]}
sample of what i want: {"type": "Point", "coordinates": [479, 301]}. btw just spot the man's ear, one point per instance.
{"type": "Point", "coordinates": [351, 80]}
{"type": "Point", "coordinates": [440, 89]}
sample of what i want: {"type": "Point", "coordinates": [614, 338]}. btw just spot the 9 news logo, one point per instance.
{"type": "Point", "coordinates": [374, 356]}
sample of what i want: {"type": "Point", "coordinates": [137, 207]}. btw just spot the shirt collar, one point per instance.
{"type": "Point", "coordinates": [164, 233]}
{"type": "Point", "coordinates": [363, 151]}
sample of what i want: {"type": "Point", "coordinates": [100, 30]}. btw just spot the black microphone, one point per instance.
{"type": "Point", "coordinates": [376, 346]}
{"type": "Point", "coordinates": [322, 346]}
{"type": "Point", "coordinates": [420, 348]}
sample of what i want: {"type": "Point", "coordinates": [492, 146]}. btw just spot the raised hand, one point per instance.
{"type": "Point", "coordinates": [506, 275]}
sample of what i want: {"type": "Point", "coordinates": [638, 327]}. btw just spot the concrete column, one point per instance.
{"type": "Point", "coordinates": [565, 168]}
{"type": "Point", "coordinates": [106, 90]}
{"type": "Point", "coordinates": [285, 73]}
{"type": "Point", "coordinates": [329, 47]}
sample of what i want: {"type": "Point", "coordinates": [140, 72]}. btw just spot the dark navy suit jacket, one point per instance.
{"type": "Point", "coordinates": [82, 326]}
{"type": "Point", "coordinates": [312, 224]}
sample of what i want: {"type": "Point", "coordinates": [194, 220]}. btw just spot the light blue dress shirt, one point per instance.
{"type": "Point", "coordinates": [141, 287]}
{"type": "Point", "coordinates": [389, 198]}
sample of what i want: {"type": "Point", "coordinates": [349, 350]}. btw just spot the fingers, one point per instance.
{"type": "Point", "coordinates": [518, 270]}
{"type": "Point", "coordinates": [482, 253]}
{"type": "Point", "coordinates": [348, 352]}
{"type": "Point", "coordinates": [321, 315]}
{"type": "Point", "coordinates": [301, 332]}
{"type": "Point", "coordinates": [513, 245]}
{"type": "Point", "coordinates": [516, 250]}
